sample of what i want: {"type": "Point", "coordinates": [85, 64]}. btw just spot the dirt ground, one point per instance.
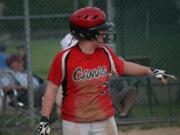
{"type": "Point", "coordinates": [154, 131]}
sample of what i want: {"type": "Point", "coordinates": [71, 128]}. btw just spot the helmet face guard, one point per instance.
{"type": "Point", "coordinates": [87, 23]}
{"type": "Point", "coordinates": [107, 32]}
{"type": "Point", "coordinates": [108, 38]}
{"type": "Point", "coordinates": [94, 33]}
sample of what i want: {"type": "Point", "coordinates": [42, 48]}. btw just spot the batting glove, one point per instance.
{"type": "Point", "coordinates": [162, 75]}
{"type": "Point", "coordinates": [43, 127]}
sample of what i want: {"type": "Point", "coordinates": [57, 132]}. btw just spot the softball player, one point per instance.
{"type": "Point", "coordinates": [83, 71]}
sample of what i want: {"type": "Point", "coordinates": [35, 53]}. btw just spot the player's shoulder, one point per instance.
{"type": "Point", "coordinates": [106, 46]}
{"type": "Point", "coordinates": [63, 52]}
{"type": "Point", "coordinates": [108, 49]}
{"type": "Point", "coordinates": [111, 51]}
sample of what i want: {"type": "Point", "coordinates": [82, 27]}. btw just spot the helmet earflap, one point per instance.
{"type": "Point", "coordinates": [83, 34]}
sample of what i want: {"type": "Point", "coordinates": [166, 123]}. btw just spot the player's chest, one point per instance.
{"type": "Point", "coordinates": [88, 67]}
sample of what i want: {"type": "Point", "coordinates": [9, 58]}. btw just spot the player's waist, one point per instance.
{"type": "Point", "coordinates": [88, 117]}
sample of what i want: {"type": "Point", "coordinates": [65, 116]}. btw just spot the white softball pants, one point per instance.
{"type": "Point", "coordinates": [106, 127]}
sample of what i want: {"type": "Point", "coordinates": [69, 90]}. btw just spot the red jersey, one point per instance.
{"type": "Point", "coordinates": [84, 78]}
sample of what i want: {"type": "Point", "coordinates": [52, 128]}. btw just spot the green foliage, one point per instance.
{"type": "Point", "coordinates": [43, 52]}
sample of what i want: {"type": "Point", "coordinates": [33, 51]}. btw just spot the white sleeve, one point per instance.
{"type": "Point", "coordinates": [68, 41]}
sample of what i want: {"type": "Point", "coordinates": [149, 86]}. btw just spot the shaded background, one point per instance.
{"type": "Point", "coordinates": [147, 30]}
{"type": "Point", "coordinates": [144, 27]}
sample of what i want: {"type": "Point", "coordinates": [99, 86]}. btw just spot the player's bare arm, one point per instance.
{"type": "Point", "coordinates": [48, 102]}
{"type": "Point", "coordinates": [139, 70]}
{"type": "Point", "coordinates": [49, 98]}
{"type": "Point", "coordinates": [136, 69]}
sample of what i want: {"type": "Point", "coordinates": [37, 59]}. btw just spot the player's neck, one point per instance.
{"type": "Point", "coordinates": [87, 47]}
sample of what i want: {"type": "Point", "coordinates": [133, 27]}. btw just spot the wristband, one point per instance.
{"type": "Point", "coordinates": [44, 119]}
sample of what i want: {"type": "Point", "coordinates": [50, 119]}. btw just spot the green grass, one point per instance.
{"type": "Point", "coordinates": [43, 52]}
{"type": "Point", "coordinates": [143, 111]}
{"type": "Point", "coordinates": [157, 111]}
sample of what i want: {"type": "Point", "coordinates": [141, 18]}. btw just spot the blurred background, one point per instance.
{"type": "Point", "coordinates": [147, 32]}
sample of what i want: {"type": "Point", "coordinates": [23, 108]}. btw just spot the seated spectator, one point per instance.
{"type": "Point", "coordinates": [21, 54]}
{"type": "Point", "coordinates": [16, 65]}
{"type": "Point", "coordinates": [125, 95]}
{"type": "Point", "coordinates": [3, 57]}
{"type": "Point", "coordinates": [16, 78]}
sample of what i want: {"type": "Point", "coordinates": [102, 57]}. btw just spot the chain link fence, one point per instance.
{"type": "Point", "coordinates": [147, 32]}
{"type": "Point", "coordinates": [149, 28]}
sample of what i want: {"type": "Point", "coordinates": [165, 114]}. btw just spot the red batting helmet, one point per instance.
{"type": "Point", "coordinates": [85, 23]}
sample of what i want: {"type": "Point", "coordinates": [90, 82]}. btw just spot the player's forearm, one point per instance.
{"type": "Point", "coordinates": [49, 99]}
{"type": "Point", "coordinates": [136, 69]}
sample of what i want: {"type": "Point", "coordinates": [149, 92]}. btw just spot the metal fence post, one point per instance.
{"type": "Point", "coordinates": [91, 2]}
{"type": "Point", "coordinates": [29, 62]}
{"type": "Point", "coordinates": [121, 46]}
{"type": "Point", "coordinates": [75, 4]}
{"type": "Point", "coordinates": [149, 94]}
{"type": "Point", "coordinates": [109, 11]}
{"type": "Point", "coordinates": [170, 101]}
{"type": "Point", "coordinates": [147, 21]}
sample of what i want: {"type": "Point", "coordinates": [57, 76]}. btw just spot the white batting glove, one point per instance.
{"type": "Point", "coordinates": [162, 75]}
{"type": "Point", "coordinates": [43, 127]}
